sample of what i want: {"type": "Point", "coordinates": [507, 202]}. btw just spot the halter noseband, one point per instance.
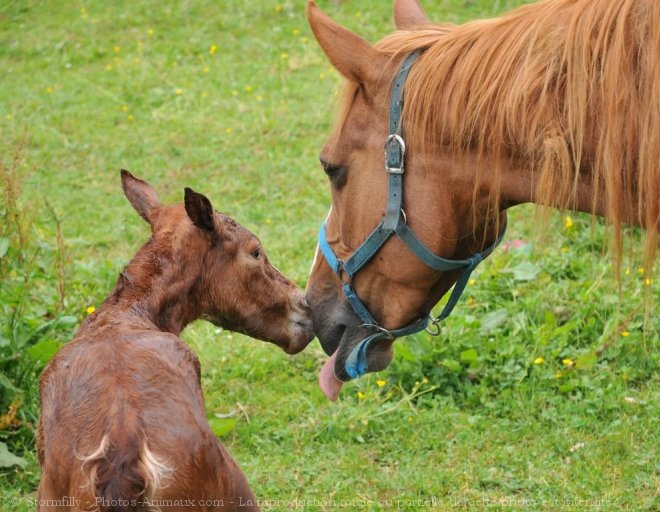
{"type": "Point", "coordinates": [394, 223]}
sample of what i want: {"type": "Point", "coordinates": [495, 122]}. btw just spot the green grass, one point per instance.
{"type": "Point", "coordinates": [463, 421]}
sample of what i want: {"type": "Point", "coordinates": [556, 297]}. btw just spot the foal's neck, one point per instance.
{"type": "Point", "coordinates": [156, 290]}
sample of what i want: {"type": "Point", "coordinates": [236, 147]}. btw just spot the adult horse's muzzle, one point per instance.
{"type": "Point", "coordinates": [339, 331]}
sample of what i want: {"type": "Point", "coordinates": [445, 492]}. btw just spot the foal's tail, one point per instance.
{"type": "Point", "coordinates": [124, 474]}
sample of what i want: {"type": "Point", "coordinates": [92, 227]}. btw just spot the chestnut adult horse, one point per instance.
{"type": "Point", "coordinates": [555, 103]}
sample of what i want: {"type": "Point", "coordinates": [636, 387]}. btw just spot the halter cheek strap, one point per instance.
{"type": "Point", "coordinates": [394, 223]}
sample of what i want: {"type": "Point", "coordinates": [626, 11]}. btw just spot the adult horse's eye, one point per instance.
{"type": "Point", "coordinates": [331, 170]}
{"type": "Point", "coordinates": [256, 254]}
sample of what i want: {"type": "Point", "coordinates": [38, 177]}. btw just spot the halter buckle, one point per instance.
{"type": "Point", "coordinates": [402, 149]}
{"type": "Point", "coordinates": [382, 330]}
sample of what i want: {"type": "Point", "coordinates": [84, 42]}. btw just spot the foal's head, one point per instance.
{"type": "Point", "coordinates": [227, 277]}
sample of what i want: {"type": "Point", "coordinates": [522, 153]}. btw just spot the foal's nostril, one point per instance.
{"type": "Point", "coordinates": [303, 305]}
{"type": "Point", "coordinates": [304, 323]}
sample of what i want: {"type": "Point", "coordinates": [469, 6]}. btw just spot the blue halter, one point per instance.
{"type": "Point", "coordinates": [394, 223]}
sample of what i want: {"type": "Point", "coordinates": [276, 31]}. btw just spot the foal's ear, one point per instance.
{"type": "Point", "coordinates": [353, 57]}
{"type": "Point", "coordinates": [409, 14]}
{"type": "Point", "coordinates": [140, 194]}
{"type": "Point", "coordinates": [199, 209]}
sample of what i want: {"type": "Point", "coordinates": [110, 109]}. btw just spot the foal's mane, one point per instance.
{"type": "Point", "coordinates": [569, 88]}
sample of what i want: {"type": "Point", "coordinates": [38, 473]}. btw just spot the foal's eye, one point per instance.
{"type": "Point", "coordinates": [256, 254]}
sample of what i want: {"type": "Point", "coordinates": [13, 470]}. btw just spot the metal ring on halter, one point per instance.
{"type": "Point", "coordinates": [405, 218]}
{"type": "Point", "coordinates": [434, 322]}
{"type": "Point", "coordinates": [378, 328]}
{"type": "Point", "coordinates": [343, 275]}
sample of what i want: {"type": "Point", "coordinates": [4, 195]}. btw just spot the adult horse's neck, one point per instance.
{"type": "Point", "coordinates": [555, 103]}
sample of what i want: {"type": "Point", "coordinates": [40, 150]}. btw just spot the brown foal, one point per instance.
{"type": "Point", "coordinates": [123, 425]}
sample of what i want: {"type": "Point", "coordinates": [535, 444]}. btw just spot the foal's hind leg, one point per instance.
{"type": "Point", "coordinates": [240, 498]}
{"type": "Point", "coordinates": [244, 499]}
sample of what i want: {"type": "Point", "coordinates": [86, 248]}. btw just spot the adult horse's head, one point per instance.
{"type": "Point", "coordinates": [395, 285]}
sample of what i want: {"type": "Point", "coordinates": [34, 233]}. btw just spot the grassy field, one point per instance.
{"type": "Point", "coordinates": [541, 393]}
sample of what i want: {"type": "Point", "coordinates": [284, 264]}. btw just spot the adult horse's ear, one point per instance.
{"type": "Point", "coordinates": [140, 194]}
{"type": "Point", "coordinates": [199, 209]}
{"type": "Point", "coordinates": [353, 57]}
{"type": "Point", "coordinates": [409, 14]}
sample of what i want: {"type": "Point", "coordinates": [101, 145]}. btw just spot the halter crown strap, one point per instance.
{"type": "Point", "coordinates": [394, 223]}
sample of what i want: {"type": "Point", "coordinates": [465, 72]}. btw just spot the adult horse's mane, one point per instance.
{"type": "Point", "coordinates": [567, 89]}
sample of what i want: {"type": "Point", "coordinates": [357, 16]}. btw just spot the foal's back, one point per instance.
{"type": "Point", "coordinates": [139, 392]}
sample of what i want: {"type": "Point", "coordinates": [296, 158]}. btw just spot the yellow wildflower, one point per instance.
{"type": "Point", "coordinates": [295, 31]}
{"type": "Point", "coordinates": [278, 8]}
{"type": "Point", "coordinates": [258, 98]}
{"type": "Point", "coordinates": [116, 49]}
{"type": "Point", "coordinates": [268, 221]}
{"type": "Point", "coordinates": [229, 129]}
{"type": "Point", "coordinates": [627, 272]}
{"type": "Point", "coordinates": [83, 10]}
{"type": "Point", "coordinates": [640, 270]}
{"type": "Point", "coordinates": [304, 40]}
{"type": "Point", "coordinates": [471, 301]}
{"type": "Point", "coordinates": [49, 90]}
{"type": "Point", "coordinates": [9, 117]}
{"type": "Point", "coordinates": [472, 282]}
{"type": "Point", "coordinates": [558, 375]}
{"type": "Point", "coordinates": [204, 94]}
{"type": "Point", "coordinates": [539, 360]}
{"type": "Point", "coordinates": [567, 362]}
{"type": "Point", "coordinates": [213, 49]}
{"type": "Point", "coordinates": [568, 222]}
{"type": "Point", "coordinates": [360, 394]}
{"type": "Point", "coordinates": [234, 92]}
{"type": "Point", "coordinates": [564, 250]}
{"type": "Point", "coordinates": [284, 56]}
{"type": "Point", "coordinates": [179, 92]}
{"type": "Point", "coordinates": [130, 117]}
{"type": "Point", "coordinates": [647, 281]}
{"type": "Point", "coordinates": [248, 88]}
{"type": "Point", "coordinates": [380, 383]}
{"type": "Point", "coordinates": [90, 310]}
{"type": "Point", "coordinates": [625, 334]}
{"type": "Point", "coordinates": [108, 67]}
{"type": "Point", "coordinates": [150, 32]}
{"type": "Point", "coordinates": [206, 69]}
{"type": "Point", "coordinates": [124, 108]}
{"type": "Point", "coordinates": [358, 14]}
